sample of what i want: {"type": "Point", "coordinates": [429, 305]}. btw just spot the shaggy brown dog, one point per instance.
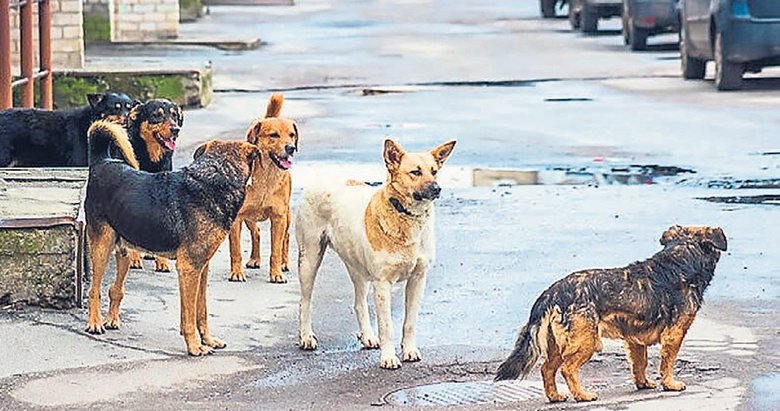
{"type": "Point", "coordinates": [646, 303]}
{"type": "Point", "coordinates": [268, 197]}
{"type": "Point", "coordinates": [183, 215]}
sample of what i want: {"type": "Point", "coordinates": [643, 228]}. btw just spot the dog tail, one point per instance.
{"type": "Point", "coordinates": [101, 135]}
{"type": "Point", "coordinates": [531, 342]}
{"type": "Point", "coordinates": [274, 108]}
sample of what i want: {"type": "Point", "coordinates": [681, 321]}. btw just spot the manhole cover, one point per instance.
{"type": "Point", "coordinates": [465, 393]}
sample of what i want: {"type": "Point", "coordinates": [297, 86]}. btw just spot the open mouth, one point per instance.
{"type": "Point", "coordinates": [169, 142]}
{"type": "Point", "coordinates": [284, 162]}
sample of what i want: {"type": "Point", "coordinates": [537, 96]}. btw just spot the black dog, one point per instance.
{"type": "Point", "coordinates": [153, 128]}
{"type": "Point", "coordinates": [183, 214]}
{"type": "Point", "coordinates": [42, 138]}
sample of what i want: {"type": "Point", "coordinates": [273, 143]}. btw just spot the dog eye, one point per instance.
{"type": "Point", "coordinates": [118, 105]}
{"type": "Point", "coordinates": [416, 173]}
{"type": "Point", "coordinates": [292, 135]}
{"type": "Point", "coordinates": [274, 135]}
{"type": "Point", "coordinates": [433, 171]}
{"type": "Point", "coordinates": [128, 105]}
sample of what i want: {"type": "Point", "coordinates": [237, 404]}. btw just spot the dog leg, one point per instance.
{"type": "Point", "coordinates": [549, 368]}
{"type": "Point", "coordinates": [117, 291]}
{"type": "Point", "coordinates": [189, 285]}
{"type": "Point", "coordinates": [161, 265]}
{"type": "Point", "coordinates": [415, 287]}
{"type": "Point", "coordinates": [582, 341]}
{"type": "Point", "coordinates": [366, 334]}
{"type": "Point", "coordinates": [254, 234]}
{"type": "Point", "coordinates": [310, 252]}
{"type": "Point", "coordinates": [203, 314]}
{"type": "Point", "coordinates": [135, 259]}
{"type": "Point", "coordinates": [637, 357]}
{"type": "Point", "coordinates": [382, 296]}
{"type": "Point", "coordinates": [278, 234]}
{"type": "Point", "coordinates": [671, 340]}
{"type": "Point", "coordinates": [101, 242]}
{"type": "Point", "coordinates": [286, 244]}
{"type": "Point", "coordinates": [234, 238]}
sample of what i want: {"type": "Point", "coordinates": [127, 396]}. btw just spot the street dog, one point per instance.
{"type": "Point", "coordinates": [43, 138]}
{"type": "Point", "coordinates": [268, 197]}
{"type": "Point", "coordinates": [649, 302]}
{"type": "Point", "coordinates": [183, 215]}
{"type": "Point", "coordinates": [153, 128]}
{"type": "Point", "coordinates": [383, 237]}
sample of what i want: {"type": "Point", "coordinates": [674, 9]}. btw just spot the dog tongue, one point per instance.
{"type": "Point", "coordinates": [170, 144]}
{"type": "Point", "coordinates": [286, 163]}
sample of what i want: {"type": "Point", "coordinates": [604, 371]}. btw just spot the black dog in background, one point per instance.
{"type": "Point", "coordinates": [41, 138]}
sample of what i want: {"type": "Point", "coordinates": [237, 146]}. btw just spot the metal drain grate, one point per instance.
{"type": "Point", "coordinates": [465, 393]}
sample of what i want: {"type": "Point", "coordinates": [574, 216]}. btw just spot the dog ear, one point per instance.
{"type": "Point", "coordinates": [717, 238]}
{"type": "Point", "coordinates": [200, 150]}
{"type": "Point", "coordinates": [132, 117]}
{"type": "Point", "coordinates": [253, 134]}
{"type": "Point", "coordinates": [295, 127]}
{"type": "Point", "coordinates": [669, 235]}
{"type": "Point", "coordinates": [442, 152]}
{"type": "Point", "coordinates": [393, 154]}
{"type": "Point", "coordinates": [94, 99]}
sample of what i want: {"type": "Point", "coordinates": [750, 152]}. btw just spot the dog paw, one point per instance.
{"type": "Point", "coordinates": [390, 362]}
{"type": "Point", "coordinates": [645, 385]}
{"type": "Point", "coordinates": [308, 342]}
{"type": "Point", "coordinates": [285, 269]}
{"type": "Point", "coordinates": [674, 385]}
{"type": "Point", "coordinates": [253, 263]}
{"type": "Point", "coordinates": [369, 341]}
{"type": "Point", "coordinates": [238, 276]}
{"type": "Point", "coordinates": [585, 396]}
{"type": "Point", "coordinates": [95, 327]}
{"type": "Point", "coordinates": [112, 323]}
{"type": "Point", "coordinates": [214, 342]}
{"type": "Point", "coordinates": [277, 278]}
{"type": "Point", "coordinates": [136, 264]}
{"type": "Point", "coordinates": [161, 266]}
{"type": "Point", "coordinates": [557, 397]}
{"type": "Point", "coordinates": [200, 350]}
{"type": "Point", "coordinates": [411, 355]}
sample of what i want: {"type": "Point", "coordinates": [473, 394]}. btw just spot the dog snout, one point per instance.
{"type": "Point", "coordinates": [431, 192]}
{"type": "Point", "coordinates": [289, 149]}
{"type": "Point", "coordinates": [175, 131]}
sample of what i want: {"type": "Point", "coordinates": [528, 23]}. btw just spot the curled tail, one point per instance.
{"type": "Point", "coordinates": [531, 342]}
{"type": "Point", "coordinates": [274, 108]}
{"type": "Point", "coordinates": [100, 136]}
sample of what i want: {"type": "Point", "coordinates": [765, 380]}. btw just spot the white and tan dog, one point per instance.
{"type": "Point", "coordinates": [383, 236]}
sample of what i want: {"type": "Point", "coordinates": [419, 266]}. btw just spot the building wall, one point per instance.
{"type": "Point", "coordinates": [66, 34]}
{"type": "Point", "coordinates": [144, 20]}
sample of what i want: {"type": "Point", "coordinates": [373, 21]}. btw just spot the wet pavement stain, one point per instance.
{"type": "Point", "coordinates": [768, 199]}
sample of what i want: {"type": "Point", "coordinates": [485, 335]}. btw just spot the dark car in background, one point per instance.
{"type": "Point", "coordinates": [739, 35]}
{"type": "Point", "coordinates": [645, 18]}
{"type": "Point", "coordinates": [585, 14]}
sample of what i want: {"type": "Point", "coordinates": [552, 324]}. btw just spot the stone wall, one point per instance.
{"type": "Point", "coordinates": [66, 33]}
{"type": "Point", "coordinates": [144, 20]}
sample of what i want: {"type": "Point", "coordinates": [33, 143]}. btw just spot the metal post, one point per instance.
{"type": "Point", "coordinates": [6, 94]}
{"type": "Point", "coordinates": [44, 37]}
{"type": "Point", "coordinates": [26, 25]}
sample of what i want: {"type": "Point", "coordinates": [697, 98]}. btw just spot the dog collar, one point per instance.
{"type": "Point", "coordinates": [400, 208]}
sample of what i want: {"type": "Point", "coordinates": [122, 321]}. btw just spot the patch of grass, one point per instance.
{"type": "Point", "coordinates": [97, 28]}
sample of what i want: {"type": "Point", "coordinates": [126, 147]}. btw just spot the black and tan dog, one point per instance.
{"type": "Point", "coordinates": [649, 302]}
{"type": "Point", "coordinates": [153, 128]}
{"type": "Point", "coordinates": [42, 138]}
{"type": "Point", "coordinates": [183, 215]}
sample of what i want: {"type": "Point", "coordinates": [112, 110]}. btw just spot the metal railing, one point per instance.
{"type": "Point", "coordinates": [27, 56]}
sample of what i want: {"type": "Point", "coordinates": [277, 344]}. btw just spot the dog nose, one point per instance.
{"type": "Point", "coordinates": [435, 190]}
{"type": "Point", "coordinates": [175, 131]}
{"type": "Point", "coordinates": [290, 149]}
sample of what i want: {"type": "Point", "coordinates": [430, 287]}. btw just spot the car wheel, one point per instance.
{"type": "Point", "coordinates": [692, 68]}
{"type": "Point", "coordinates": [638, 37]}
{"type": "Point", "coordinates": [589, 19]}
{"type": "Point", "coordinates": [574, 17]}
{"type": "Point", "coordinates": [548, 8]}
{"type": "Point", "coordinates": [728, 75]}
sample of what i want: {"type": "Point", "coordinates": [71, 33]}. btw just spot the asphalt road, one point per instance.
{"type": "Point", "coordinates": [516, 92]}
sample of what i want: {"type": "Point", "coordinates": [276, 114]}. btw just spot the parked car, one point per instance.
{"type": "Point", "coordinates": [739, 35]}
{"type": "Point", "coordinates": [644, 18]}
{"type": "Point", "coordinates": [547, 7]}
{"type": "Point", "coordinates": [585, 14]}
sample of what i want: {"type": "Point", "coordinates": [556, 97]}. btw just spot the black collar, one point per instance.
{"type": "Point", "coordinates": [400, 208]}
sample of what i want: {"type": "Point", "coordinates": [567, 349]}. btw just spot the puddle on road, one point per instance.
{"type": "Point", "coordinates": [766, 394]}
{"type": "Point", "coordinates": [464, 393]}
{"type": "Point", "coordinates": [617, 175]}
{"type": "Point", "coordinates": [768, 199]}
{"type": "Point", "coordinates": [732, 184]}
